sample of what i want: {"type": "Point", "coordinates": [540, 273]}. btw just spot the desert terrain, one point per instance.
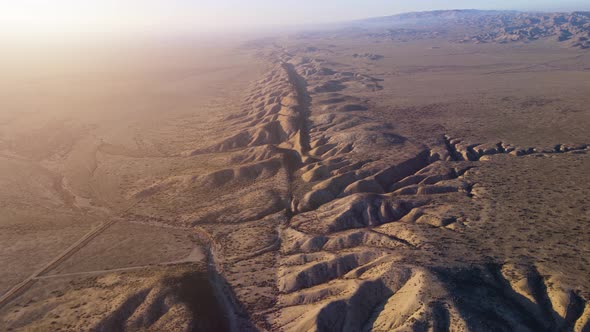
{"type": "Point", "coordinates": [423, 172]}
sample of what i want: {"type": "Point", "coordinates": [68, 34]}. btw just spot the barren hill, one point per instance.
{"type": "Point", "coordinates": [381, 177]}
{"type": "Point", "coordinates": [573, 29]}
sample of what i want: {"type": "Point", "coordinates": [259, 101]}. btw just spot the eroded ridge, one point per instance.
{"type": "Point", "coordinates": [459, 150]}
{"type": "Point", "coordinates": [322, 217]}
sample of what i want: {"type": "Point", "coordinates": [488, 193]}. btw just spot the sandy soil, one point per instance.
{"type": "Point", "coordinates": [326, 181]}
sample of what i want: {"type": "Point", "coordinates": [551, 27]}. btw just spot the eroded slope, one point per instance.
{"type": "Point", "coordinates": [370, 229]}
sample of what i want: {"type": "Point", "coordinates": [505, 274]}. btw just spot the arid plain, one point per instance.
{"type": "Point", "coordinates": [338, 180]}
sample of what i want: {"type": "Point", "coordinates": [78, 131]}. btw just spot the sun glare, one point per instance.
{"type": "Point", "coordinates": [44, 18]}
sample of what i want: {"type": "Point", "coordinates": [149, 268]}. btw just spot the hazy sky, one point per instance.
{"type": "Point", "coordinates": [37, 17]}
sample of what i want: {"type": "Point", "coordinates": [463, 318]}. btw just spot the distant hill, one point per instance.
{"type": "Point", "coordinates": [480, 26]}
